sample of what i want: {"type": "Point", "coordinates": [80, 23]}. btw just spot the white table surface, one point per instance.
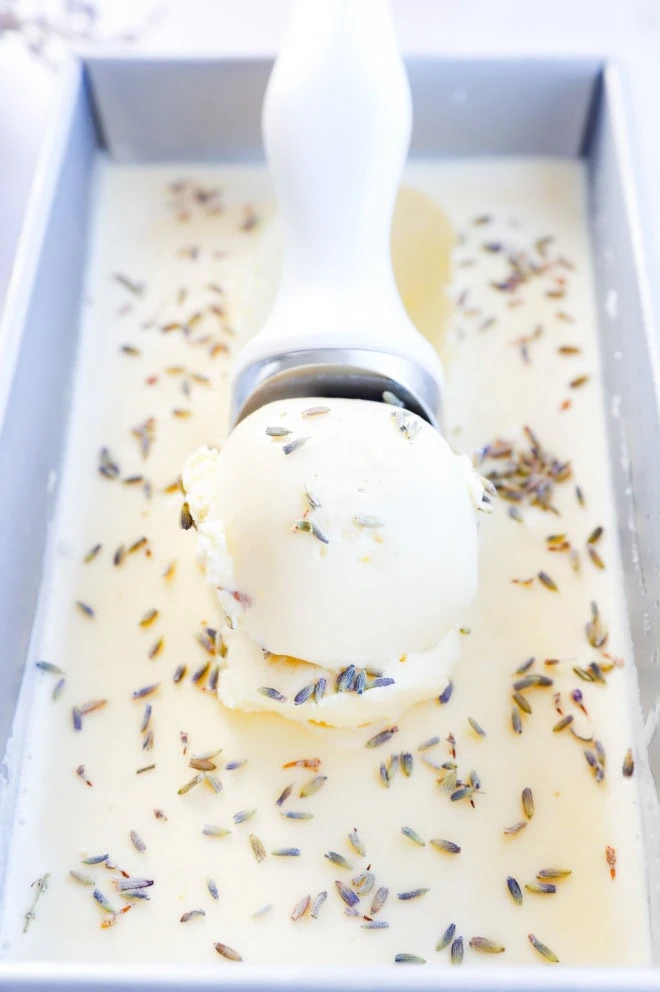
{"type": "Point", "coordinates": [628, 30]}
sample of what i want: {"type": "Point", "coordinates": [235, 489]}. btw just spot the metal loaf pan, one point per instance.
{"type": "Point", "coordinates": [168, 109]}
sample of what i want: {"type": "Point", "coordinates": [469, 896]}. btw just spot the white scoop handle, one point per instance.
{"type": "Point", "coordinates": [336, 126]}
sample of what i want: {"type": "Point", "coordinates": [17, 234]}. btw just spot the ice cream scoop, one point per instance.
{"type": "Point", "coordinates": [337, 525]}
{"type": "Point", "coordinates": [341, 537]}
{"type": "Point", "coordinates": [336, 127]}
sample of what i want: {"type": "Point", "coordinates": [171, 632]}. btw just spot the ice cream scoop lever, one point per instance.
{"type": "Point", "coordinates": [336, 127]}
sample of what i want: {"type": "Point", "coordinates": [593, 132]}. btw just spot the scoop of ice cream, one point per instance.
{"type": "Point", "coordinates": [339, 531]}
{"type": "Point", "coordinates": [341, 537]}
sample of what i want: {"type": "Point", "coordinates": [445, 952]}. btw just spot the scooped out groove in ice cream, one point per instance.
{"type": "Point", "coordinates": [341, 536]}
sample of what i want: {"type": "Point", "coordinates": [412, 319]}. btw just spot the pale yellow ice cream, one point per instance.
{"type": "Point", "coordinates": [337, 533]}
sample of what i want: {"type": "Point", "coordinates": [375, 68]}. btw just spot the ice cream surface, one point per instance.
{"type": "Point", "coordinates": [237, 823]}
{"type": "Point", "coordinates": [341, 537]}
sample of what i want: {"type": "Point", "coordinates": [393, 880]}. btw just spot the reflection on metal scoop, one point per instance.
{"type": "Point", "coordinates": [350, 373]}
